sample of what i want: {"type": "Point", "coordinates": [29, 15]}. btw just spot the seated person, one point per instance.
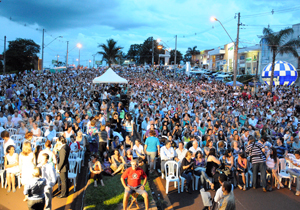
{"type": "Point", "coordinates": [96, 170]}
{"type": "Point", "coordinates": [134, 175]}
{"type": "Point", "coordinates": [74, 145]}
{"type": "Point", "coordinates": [281, 149]}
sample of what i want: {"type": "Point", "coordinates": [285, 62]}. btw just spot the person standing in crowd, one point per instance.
{"type": "Point", "coordinates": [152, 146]}
{"type": "Point", "coordinates": [26, 163]}
{"type": "Point", "coordinates": [258, 160]}
{"type": "Point", "coordinates": [48, 173]}
{"type": "Point", "coordinates": [63, 167]}
{"type": "Point", "coordinates": [7, 141]}
{"type": "Point", "coordinates": [34, 191]}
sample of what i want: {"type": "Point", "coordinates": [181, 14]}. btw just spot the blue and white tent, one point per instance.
{"type": "Point", "coordinates": [284, 73]}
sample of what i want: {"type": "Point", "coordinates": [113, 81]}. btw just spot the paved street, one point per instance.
{"type": "Point", "coordinates": [248, 200]}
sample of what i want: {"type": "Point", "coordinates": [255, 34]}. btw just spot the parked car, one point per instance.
{"type": "Point", "coordinates": [224, 78]}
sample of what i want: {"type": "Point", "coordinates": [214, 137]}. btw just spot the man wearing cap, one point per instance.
{"type": "Point", "coordinates": [50, 132]}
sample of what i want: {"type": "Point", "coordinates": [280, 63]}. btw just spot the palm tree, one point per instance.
{"type": "Point", "coordinates": [279, 44]}
{"type": "Point", "coordinates": [110, 51]}
{"type": "Point", "coordinates": [192, 51]}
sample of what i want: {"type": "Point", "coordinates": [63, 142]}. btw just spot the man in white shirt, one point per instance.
{"type": "Point", "coordinates": [50, 132]}
{"type": "Point", "coordinates": [219, 194]}
{"type": "Point", "coordinates": [166, 153]}
{"type": "Point", "coordinates": [16, 119]}
{"type": "Point", "coordinates": [180, 152]}
{"type": "Point", "coordinates": [48, 172]}
{"type": "Point", "coordinates": [252, 121]}
{"type": "Point", "coordinates": [194, 148]}
{"type": "Point", "coordinates": [138, 150]}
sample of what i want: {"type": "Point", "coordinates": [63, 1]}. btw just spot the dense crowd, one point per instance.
{"type": "Point", "coordinates": [209, 128]}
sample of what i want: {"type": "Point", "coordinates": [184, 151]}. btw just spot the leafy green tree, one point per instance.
{"type": "Point", "coordinates": [280, 43]}
{"type": "Point", "coordinates": [146, 51]}
{"type": "Point", "coordinates": [134, 52]}
{"type": "Point", "coordinates": [110, 51]}
{"type": "Point", "coordinates": [179, 57]}
{"type": "Point", "coordinates": [21, 54]}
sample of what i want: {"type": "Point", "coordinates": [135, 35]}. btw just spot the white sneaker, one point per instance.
{"type": "Point", "coordinates": [162, 175]}
{"type": "Point", "coordinates": [95, 184]}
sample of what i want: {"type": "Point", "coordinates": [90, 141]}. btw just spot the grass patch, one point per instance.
{"type": "Point", "coordinates": [109, 196]}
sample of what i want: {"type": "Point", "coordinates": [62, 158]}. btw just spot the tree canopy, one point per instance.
{"type": "Point", "coordinates": [21, 54]}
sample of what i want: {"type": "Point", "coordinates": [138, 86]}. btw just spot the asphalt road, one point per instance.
{"type": "Point", "coordinates": [245, 200]}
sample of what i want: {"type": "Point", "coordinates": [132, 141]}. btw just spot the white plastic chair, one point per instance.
{"type": "Point", "coordinates": [73, 170]}
{"type": "Point", "coordinates": [172, 174]}
{"type": "Point", "coordinates": [293, 177]}
{"type": "Point", "coordinates": [282, 174]}
{"type": "Point", "coordinates": [16, 138]}
{"type": "Point", "coordinates": [12, 131]}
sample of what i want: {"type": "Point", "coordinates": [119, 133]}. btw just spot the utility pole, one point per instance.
{"type": "Point", "coordinates": [236, 49]}
{"type": "Point", "coordinates": [43, 50]}
{"type": "Point", "coordinates": [57, 58]}
{"type": "Point", "coordinates": [4, 56]}
{"type": "Point", "coordinates": [94, 60]}
{"type": "Point", "coordinates": [152, 51]}
{"type": "Point", "coordinates": [67, 54]}
{"type": "Point", "coordinates": [175, 55]}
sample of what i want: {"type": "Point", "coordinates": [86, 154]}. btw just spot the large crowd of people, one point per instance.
{"type": "Point", "coordinates": [209, 128]}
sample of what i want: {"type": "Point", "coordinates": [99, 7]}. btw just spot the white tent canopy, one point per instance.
{"type": "Point", "coordinates": [109, 77]}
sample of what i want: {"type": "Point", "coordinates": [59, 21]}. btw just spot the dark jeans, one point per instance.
{"type": "Point", "coordinates": [102, 148]}
{"type": "Point", "coordinates": [36, 204]}
{"type": "Point", "coordinates": [64, 183]}
{"type": "Point", "coordinates": [98, 176]}
{"type": "Point", "coordinates": [188, 177]}
{"type": "Point", "coordinates": [262, 168]}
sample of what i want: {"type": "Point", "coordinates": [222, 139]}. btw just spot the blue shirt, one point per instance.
{"type": "Point", "coordinates": [281, 151]}
{"type": "Point", "coordinates": [152, 142]}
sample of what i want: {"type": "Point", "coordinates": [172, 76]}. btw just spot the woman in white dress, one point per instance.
{"type": "Point", "coordinates": [68, 133]}
{"type": "Point", "coordinates": [11, 166]}
{"type": "Point", "coordinates": [36, 130]}
{"type": "Point", "coordinates": [26, 163]}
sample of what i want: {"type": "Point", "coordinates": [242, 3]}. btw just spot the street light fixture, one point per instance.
{"type": "Point", "coordinates": [235, 51]}
{"type": "Point", "coordinates": [79, 46]}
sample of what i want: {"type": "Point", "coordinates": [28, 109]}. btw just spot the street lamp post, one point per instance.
{"type": "Point", "coordinates": [236, 46]}
{"type": "Point", "coordinates": [79, 46]}
{"type": "Point", "coordinates": [43, 47]}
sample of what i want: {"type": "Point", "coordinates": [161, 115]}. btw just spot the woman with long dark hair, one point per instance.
{"type": "Point", "coordinates": [272, 163]}
{"type": "Point", "coordinates": [212, 164]}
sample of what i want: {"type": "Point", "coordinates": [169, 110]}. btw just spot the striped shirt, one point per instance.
{"type": "Point", "coordinates": [255, 152]}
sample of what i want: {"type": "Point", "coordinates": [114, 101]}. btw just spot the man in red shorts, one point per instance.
{"type": "Point", "coordinates": [134, 175]}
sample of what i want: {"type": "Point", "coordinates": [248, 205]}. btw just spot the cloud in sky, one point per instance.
{"type": "Point", "coordinates": [92, 22]}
